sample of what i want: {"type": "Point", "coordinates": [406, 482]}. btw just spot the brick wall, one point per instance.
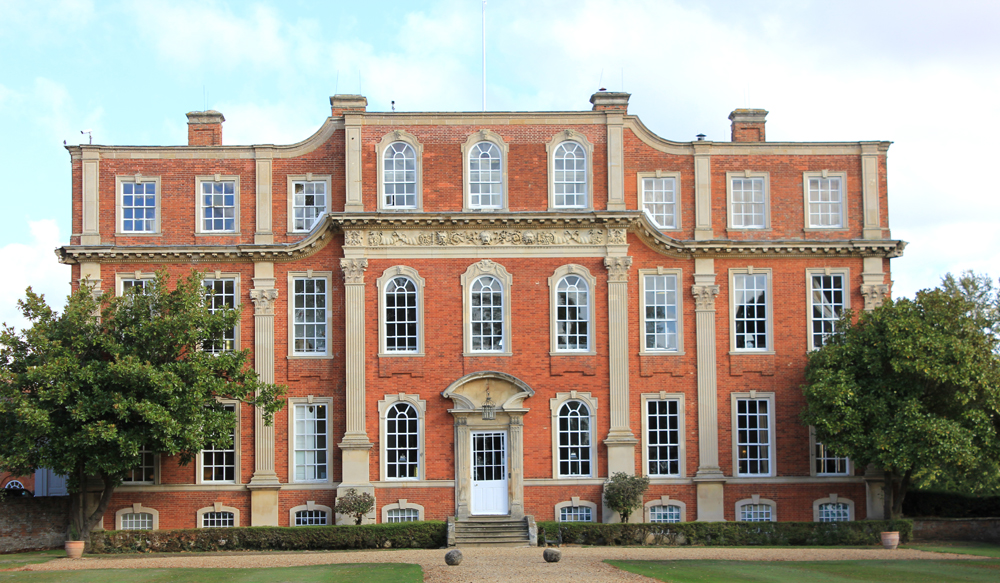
{"type": "Point", "coordinates": [33, 523]}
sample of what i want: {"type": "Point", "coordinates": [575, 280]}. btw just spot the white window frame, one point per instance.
{"type": "Point", "coordinates": [307, 177]}
{"type": "Point", "coordinates": [555, 404]}
{"type": "Point", "coordinates": [387, 276]}
{"type": "Point", "coordinates": [769, 310]}
{"type": "Point", "coordinates": [402, 504]}
{"type": "Point", "coordinates": [384, 405]}
{"type": "Point", "coordinates": [137, 508]}
{"type": "Point", "coordinates": [237, 297]}
{"type": "Point", "coordinates": [647, 508]}
{"type": "Point", "coordinates": [833, 499]}
{"type": "Point", "coordinates": [120, 181]}
{"type": "Point", "coordinates": [824, 174]}
{"type": "Point", "coordinates": [310, 274]}
{"type": "Point", "coordinates": [474, 272]}
{"type": "Point", "coordinates": [217, 507]}
{"type": "Point", "coordinates": [293, 403]}
{"type": "Point", "coordinates": [765, 177]}
{"type": "Point", "coordinates": [644, 399]}
{"type": "Point", "coordinates": [550, 148]}
{"type": "Point", "coordinates": [418, 151]}
{"type": "Point", "coordinates": [772, 457]}
{"type": "Point", "coordinates": [311, 506]}
{"type": "Point", "coordinates": [121, 278]}
{"type": "Point", "coordinates": [641, 177]}
{"type": "Point", "coordinates": [557, 276]}
{"type": "Point", "coordinates": [677, 274]}
{"type": "Point", "coordinates": [479, 137]}
{"type": "Point", "coordinates": [845, 274]}
{"type": "Point", "coordinates": [756, 500]}
{"type": "Point", "coordinates": [199, 219]}
{"type": "Point", "coordinates": [156, 472]}
{"type": "Point", "coordinates": [575, 502]}
{"type": "Point", "coordinates": [200, 461]}
{"type": "Point", "coordinates": [813, 445]}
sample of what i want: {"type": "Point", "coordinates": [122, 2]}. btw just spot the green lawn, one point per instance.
{"type": "Point", "coordinates": [20, 559]}
{"type": "Point", "coordinates": [965, 548]}
{"type": "Point", "coordinates": [358, 573]}
{"type": "Point", "coordinates": [815, 571]}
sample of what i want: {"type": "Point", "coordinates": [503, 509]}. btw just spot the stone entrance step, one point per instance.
{"type": "Point", "coordinates": [492, 532]}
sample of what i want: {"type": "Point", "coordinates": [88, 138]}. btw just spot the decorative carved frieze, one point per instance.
{"type": "Point", "coordinates": [483, 238]}
{"type": "Point", "coordinates": [874, 295]}
{"type": "Point", "coordinates": [618, 268]}
{"type": "Point", "coordinates": [616, 237]}
{"type": "Point", "coordinates": [354, 238]}
{"type": "Point", "coordinates": [354, 270]}
{"type": "Point", "coordinates": [263, 301]}
{"type": "Point", "coordinates": [704, 296]}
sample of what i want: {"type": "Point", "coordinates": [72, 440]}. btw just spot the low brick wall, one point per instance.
{"type": "Point", "coordinates": [33, 523]}
{"type": "Point", "coordinates": [968, 529]}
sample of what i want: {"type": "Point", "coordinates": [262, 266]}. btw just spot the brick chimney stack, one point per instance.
{"type": "Point", "coordinates": [344, 103]}
{"type": "Point", "coordinates": [748, 125]}
{"type": "Point", "coordinates": [205, 128]}
{"type": "Point", "coordinates": [610, 101]}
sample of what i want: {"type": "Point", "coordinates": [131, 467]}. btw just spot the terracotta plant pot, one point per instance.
{"type": "Point", "coordinates": [890, 540]}
{"type": "Point", "coordinates": [74, 549]}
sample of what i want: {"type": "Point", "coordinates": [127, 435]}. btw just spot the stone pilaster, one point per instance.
{"type": "Point", "coordinates": [621, 441]}
{"type": "Point", "coordinates": [264, 234]}
{"type": "Point", "coordinates": [703, 192]}
{"type": "Point", "coordinates": [264, 484]}
{"type": "Point", "coordinates": [91, 234]}
{"type": "Point", "coordinates": [463, 467]}
{"type": "Point", "coordinates": [516, 469]}
{"type": "Point", "coordinates": [872, 228]}
{"type": "Point", "coordinates": [873, 286]}
{"type": "Point", "coordinates": [616, 155]}
{"type": "Point", "coordinates": [709, 478]}
{"type": "Point", "coordinates": [352, 137]}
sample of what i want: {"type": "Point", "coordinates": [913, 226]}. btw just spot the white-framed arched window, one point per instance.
{"type": "Point", "coordinates": [310, 514]}
{"type": "Point", "coordinates": [756, 509]}
{"type": "Point", "coordinates": [399, 171]}
{"type": "Point", "coordinates": [402, 442]}
{"type": "Point", "coordinates": [218, 516]}
{"type": "Point", "coordinates": [402, 511]}
{"type": "Point", "coordinates": [572, 306]}
{"type": "Point", "coordinates": [485, 176]}
{"type": "Point", "coordinates": [137, 517]}
{"type": "Point", "coordinates": [833, 509]}
{"type": "Point", "coordinates": [576, 510]}
{"type": "Point", "coordinates": [665, 509]}
{"type": "Point", "coordinates": [13, 485]}
{"type": "Point", "coordinates": [574, 417]}
{"type": "Point", "coordinates": [570, 171]}
{"type": "Point", "coordinates": [486, 298]}
{"type": "Point", "coordinates": [401, 312]}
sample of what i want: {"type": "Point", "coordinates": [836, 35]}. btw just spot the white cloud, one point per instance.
{"type": "Point", "coordinates": [32, 264]}
{"type": "Point", "coordinates": [54, 109]}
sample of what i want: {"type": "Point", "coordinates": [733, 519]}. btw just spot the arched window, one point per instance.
{"type": "Point", "coordinates": [402, 515]}
{"type": "Point", "coordinates": [14, 484]}
{"type": "Point", "coordinates": [487, 314]}
{"type": "Point", "coordinates": [401, 319]}
{"type": "Point", "coordinates": [310, 518]}
{"type": "Point", "coordinates": [570, 175]}
{"type": "Point", "coordinates": [574, 439]}
{"type": "Point", "coordinates": [485, 176]}
{"type": "Point", "coordinates": [137, 521]}
{"type": "Point", "coordinates": [755, 513]}
{"type": "Point", "coordinates": [400, 176]}
{"type": "Point", "coordinates": [668, 513]}
{"type": "Point", "coordinates": [218, 520]}
{"type": "Point", "coordinates": [834, 512]}
{"type": "Point", "coordinates": [402, 442]}
{"type": "Point", "coordinates": [572, 314]}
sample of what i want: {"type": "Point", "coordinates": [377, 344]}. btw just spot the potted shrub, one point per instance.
{"type": "Point", "coordinates": [74, 546]}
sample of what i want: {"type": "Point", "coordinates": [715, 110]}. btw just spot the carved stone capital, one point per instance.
{"type": "Point", "coordinates": [616, 237]}
{"type": "Point", "coordinates": [354, 270]}
{"type": "Point", "coordinates": [618, 268]}
{"type": "Point", "coordinates": [263, 301]}
{"type": "Point", "coordinates": [874, 294]}
{"type": "Point", "coordinates": [704, 296]}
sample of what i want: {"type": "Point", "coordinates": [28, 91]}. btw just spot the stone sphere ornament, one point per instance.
{"type": "Point", "coordinates": [453, 557]}
{"type": "Point", "coordinates": [551, 555]}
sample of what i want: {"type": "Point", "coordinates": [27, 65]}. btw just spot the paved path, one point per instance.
{"type": "Point", "coordinates": [488, 565]}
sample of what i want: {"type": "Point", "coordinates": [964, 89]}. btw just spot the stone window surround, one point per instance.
{"type": "Point", "coordinates": [555, 404]}
{"type": "Point", "coordinates": [756, 499]}
{"type": "Point", "coordinates": [751, 270]}
{"type": "Point", "coordinates": [217, 507]}
{"type": "Point", "coordinates": [311, 505]}
{"type": "Point", "coordinates": [678, 273]}
{"type": "Point", "coordinates": [199, 216]}
{"type": "Point", "coordinates": [419, 283]}
{"type": "Point", "coordinates": [130, 275]}
{"type": "Point", "coordinates": [766, 176]}
{"type": "Point", "coordinates": [119, 215]}
{"type": "Point", "coordinates": [136, 509]}
{"type": "Point", "coordinates": [810, 272]}
{"type": "Point", "coordinates": [484, 135]}
{"type": "Point", "coordinates": [843, 199]}
{"type": "Point", "coordinates": [772, 445]}
{"type": "Point", "coordinates": [677, 196]}
{"type": "Point", "coordinates": [682, 445]}
{"type": "Point", "coordinates": [238, 296]}
{"type": "Point", "coordinates": [383, 408]}
{"type": "Point", "coordinates": [307, 177]}
{"type": "Point", "coordinates": [310, 400]}
{"type": "Point", "coordinates": [402, 504]}
{"type": "Point", "coordinates": [664, 500]}
{"type": "Point", "coordinates": [309, 274]}
{"type": "Point", "coordinates": [569, 135]}
{"type": "Point", "coordinates": [557, 276]}
{"type": "Point", "coordinates": [812, 458]}
{"type": "Point", "coordinates": [474, 272]}
{"type": "Point", "coordinates": [199, 460]}
{"type": "Point", "coordinates": [418, 152]}
{"type": "Point", "coordinates": [575, 501]}
{"type": "Point", "coordinates": [833, 499]}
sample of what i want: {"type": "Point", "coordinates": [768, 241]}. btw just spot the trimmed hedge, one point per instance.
{"type": "Point", "coordinates": [723, 533]}
{"type": "Point", "coordinates": [419, 535]}
{"type": "Point", "coordinates": [948, 505]}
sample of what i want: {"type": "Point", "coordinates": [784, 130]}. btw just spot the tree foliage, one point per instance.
{"type": "Point", "coordinates": [913, 388]}
{"type": "Point", "coordinates": [624, 493]}
{"type": "Point", "coordinates": [355, 504]}
{"type": "Point", "coordinates": [82, 391]}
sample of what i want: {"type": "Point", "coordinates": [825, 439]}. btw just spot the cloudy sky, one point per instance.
{"type": "Point", "coordinates": [925, 75]}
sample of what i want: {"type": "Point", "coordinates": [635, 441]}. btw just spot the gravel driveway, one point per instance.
{"type": "Point", "coordinates": [489, 565]}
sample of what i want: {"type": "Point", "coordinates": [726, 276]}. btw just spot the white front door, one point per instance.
{"type": "Point", "coordinates": [489, 473]}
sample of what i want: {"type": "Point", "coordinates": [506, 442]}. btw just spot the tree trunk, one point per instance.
{"type": "Point", "coordinates": [887, 495]}
{"type": "Point", "coordinates": [904, 485]}
{"type": "Point", "coordinates": [102, 505]}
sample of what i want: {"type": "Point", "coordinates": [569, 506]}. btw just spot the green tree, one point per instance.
{"type": "Point", "coordinates": [913, 388]}
{"type": "Point", "coordinates": [624, 493]}
{"type": "Point", "coordinates": [82, 391]}
{"type": "Point", "coordinates": [355, 504]}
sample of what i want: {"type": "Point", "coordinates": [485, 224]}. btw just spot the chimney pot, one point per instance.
{"type": "Point", "coordinates": [748, 125]}
{"type": "Point", "coordinates": [205, 128]}
{"type": "Point", "coordinates": [610, 101]}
